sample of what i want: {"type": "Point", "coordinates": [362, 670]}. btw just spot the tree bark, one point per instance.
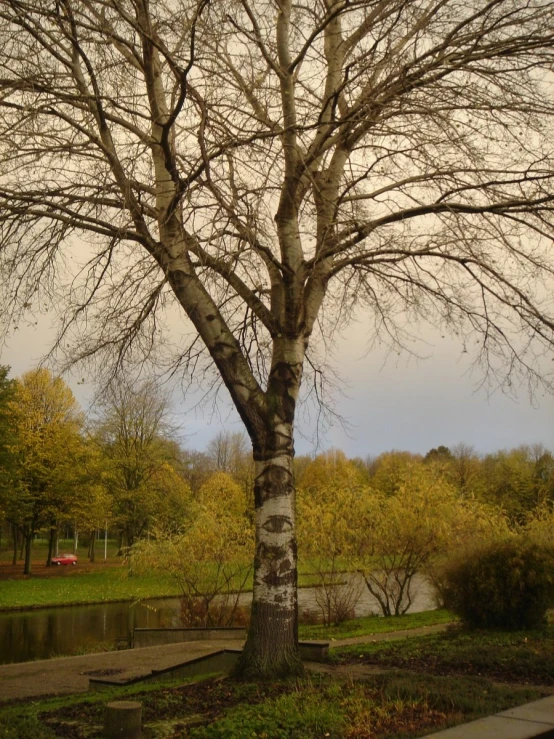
{"type": "Point", "coordinates": [271, 648]}
{"type": "Point", "coordinates": [51, 544]}
{"type": "Point", "coordinates": [29, 533]}
{"type": "Point", "coordinates": [14, 534]}
{"type": "Point", "coordinates": [92, 546]}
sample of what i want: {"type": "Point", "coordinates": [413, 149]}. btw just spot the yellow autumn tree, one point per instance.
{"type": "Point", "coordinates": [48, 449]}
{"type": "Point", "coordinates": [404, 533]}
{"type": "Point", "coordinates": [221, 492]}
{"type": "Point", "coordinates": [539, 525]}
{"type": "Point", "coordinates": [210, 557]}
{"type": "Point", "coordinates": [328, 506]}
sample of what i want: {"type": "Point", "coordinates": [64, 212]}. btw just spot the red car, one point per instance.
{"type": "Point", "coordinates": [64, 559]}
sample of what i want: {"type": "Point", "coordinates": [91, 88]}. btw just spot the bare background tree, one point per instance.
{"type": "Point", "coordinates": [270, 168]}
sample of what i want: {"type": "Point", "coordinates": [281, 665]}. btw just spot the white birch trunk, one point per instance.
{"type": "Point", "coordinates": [271, 649]}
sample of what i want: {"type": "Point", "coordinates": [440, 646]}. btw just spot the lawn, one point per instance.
{"type": "Point", "coordinates": [388, 706]}
{"type": "Point", "coordinates": [524, 657]}
{"type": "Point", "coordinates": [375, 625]}
{"type": "Point", "coordinates": [103, 584]}
{"type": "Point", "coordinates": [94, 583]}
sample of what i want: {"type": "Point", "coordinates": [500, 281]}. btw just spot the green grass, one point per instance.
{"type": "Point", "coordinates": [102, 584]}
{"type": "Point", "coordinates": [376, 625]}
{"type": "Point", "coordinates": [107, 584]}
{"type": "Point", "coordinates": [388, 706]}
{"type": "Point", "coordinates": [519, 657]}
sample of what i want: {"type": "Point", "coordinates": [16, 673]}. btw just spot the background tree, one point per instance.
{"type": "Point", "coordinates": [390, 470]}
{"type": "Point", "coordinates": [210, 557]}
{"type": "Point", "coordinates": [8, 504]}
{"type": "Point", "coordinates": [133, 432]}
{"type": "Point", "coordinates": [90, 507]}
{"type": "Point", "coordinates": [516, 481]}
{"type": "Point", "coordinates": [47, 422]}
{"type": "Point", "coordinates": [330, 469]}
{"type": "Point", "coordinates": [270, 168]}
{"type": "Point", "coordinates": [330, 508]}
{"type": "Point", "coordinates": [406, 533]}
{"type": "Point", "coordinates": [7, 431]}
{"type": "Point", "coordinates": [195, 467]}
{"type": "Point", "coordinates": [229, 453]}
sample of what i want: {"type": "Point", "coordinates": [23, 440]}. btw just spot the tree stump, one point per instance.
{"type": "Point", "coordinates": [123, 720]}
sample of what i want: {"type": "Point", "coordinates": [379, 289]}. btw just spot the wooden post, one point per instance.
{"type": "Point", "coordinates": [123, 720]}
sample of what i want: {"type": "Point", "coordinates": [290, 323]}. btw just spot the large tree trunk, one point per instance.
{"type": "Point", "coordinates": [271, 648]}
{"type": "Point", "coordinates": [51, 545]}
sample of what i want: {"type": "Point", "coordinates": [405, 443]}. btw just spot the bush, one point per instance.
{"type": "Point", "coordinates": [505, 585]}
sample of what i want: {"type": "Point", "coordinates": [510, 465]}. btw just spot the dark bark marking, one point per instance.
{"type": "Point", "coordinates": [274, 482]}
{"type": "Point", "coordinates": [278, 524]}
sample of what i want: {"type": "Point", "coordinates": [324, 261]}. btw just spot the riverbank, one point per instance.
{"type": "Point", "coordinates": [83, 586]}
{"type": "Point", "coordinates": [15, 599]}
{"type": "Point", "coordinates": [90, 584]}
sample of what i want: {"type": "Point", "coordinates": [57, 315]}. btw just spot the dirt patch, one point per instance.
{"type": "Point", "coordinates": [205, 700]}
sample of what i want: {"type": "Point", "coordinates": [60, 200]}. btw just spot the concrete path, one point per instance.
{"type": "Point", "coordinates": [388, 635]}
{"type": "Point", "coordinates": [65, 675]}
{"type": "Point", "coordinates": [50, 677]}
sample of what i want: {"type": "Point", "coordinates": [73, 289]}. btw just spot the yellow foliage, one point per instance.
{"type": "Point", "coordinates": [539, 526]}
{"type": "Point", "coordinates": [220, 493]}
{"type": "Point", "coordinates": [47, 441]}
{"type": "Point", "coordinates": [329, 472]}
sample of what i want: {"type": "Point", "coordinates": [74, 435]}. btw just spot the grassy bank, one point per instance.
{"type": "Point", "coordinates": [105, 584]}
{"type": "Point", "coordinates": [95, 584]}
{"type": "Point", "coordinates": [376, 625]}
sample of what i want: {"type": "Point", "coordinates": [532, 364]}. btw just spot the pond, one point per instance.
{"type": "Point", "coordinates": [51, 632]}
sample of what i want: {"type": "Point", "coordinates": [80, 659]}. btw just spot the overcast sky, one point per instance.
{"type": "Point", "coordinates": [387, 403]}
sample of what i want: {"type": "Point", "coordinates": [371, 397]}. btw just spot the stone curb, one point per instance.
{"type": "Point", "coordinates": [524, 722]}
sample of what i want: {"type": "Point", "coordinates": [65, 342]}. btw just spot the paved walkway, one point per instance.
{"type": "Point", "coordinates": [65, 675]}
{"type": "Point", "coordinates": [70, 674]}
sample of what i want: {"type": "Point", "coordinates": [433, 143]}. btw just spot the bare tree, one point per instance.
{"type": "Point", "coordinates": [269, 168]}
{"type": "Point", "coordinates": [226, 451]}
{"type": "Point", "coordinates": [134, 436]}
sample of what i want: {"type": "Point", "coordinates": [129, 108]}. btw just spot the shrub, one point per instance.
{"type": "Point", "coordinates": [507, 585]}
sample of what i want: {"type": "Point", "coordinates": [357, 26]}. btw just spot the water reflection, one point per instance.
{"type": "Point", "coordinates": [50, 632]}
